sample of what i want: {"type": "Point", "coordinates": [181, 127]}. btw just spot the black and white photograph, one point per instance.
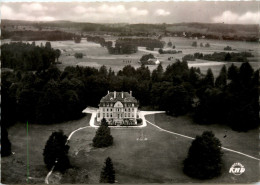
{"type": "Point", "coordinates": [130, 92]}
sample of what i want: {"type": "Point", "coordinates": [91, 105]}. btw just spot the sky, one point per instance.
{"type": "Point", "coordinates": [232, 12]}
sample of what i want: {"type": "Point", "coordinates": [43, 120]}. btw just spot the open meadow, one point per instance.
{"type": "Point", "coordinates": [136, 153]}
{"type": "Point", "coordinates": [95, 56]}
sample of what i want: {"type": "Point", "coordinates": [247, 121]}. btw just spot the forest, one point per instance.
{"type": "Point", "coordinates": [28, 35]}
{"type": "Point", "coordinates": [25, 56]}
{"type": "Point", "coordinates": [50, 95]}
{"type": "Point", "coordinates": [221, 56]}
{"type": "Point", "coordinates": [126, 45]}
{"type": "Point", "coordinates": [143, 42]}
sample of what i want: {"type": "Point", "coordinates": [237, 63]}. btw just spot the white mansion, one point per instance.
{"type": "Point", "coordinates": [118, 108]}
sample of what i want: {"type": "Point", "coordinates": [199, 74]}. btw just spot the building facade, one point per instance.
{"type": "Point", "coordinates": [118, 108]}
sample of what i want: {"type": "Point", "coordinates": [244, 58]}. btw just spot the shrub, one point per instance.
{"type": "Point", "coordinates": [194, 44]}
{"type": "Point", "coordinates": [78, 55]}
{"type": "Point", "coordinates": [227, 48]}
{"type": "Point", "coordinates": [77, 39]}
{"type": "Point", "coordinates": [139, 121]}
{"type": "Point", "coordinates": [146, 57]}
{"type": "Point", "coordinates": [160, 51]}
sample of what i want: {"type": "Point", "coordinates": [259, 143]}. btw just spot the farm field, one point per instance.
{"type": "Point", "coordinates": [96, 56]}
{"type": "Point", "coordinates": [135, 160]}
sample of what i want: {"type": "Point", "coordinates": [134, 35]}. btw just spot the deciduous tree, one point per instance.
{"type": "Point", "coordinates": [204, 159]}
{"type": "Point", "coordinates": [56, 152]}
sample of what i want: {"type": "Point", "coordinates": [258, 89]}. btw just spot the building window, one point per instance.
{"type": "Point", "coordinates": [128, 114]}
{"type": "Point", "coordinates": [111, 110]}
{"type": "Point", "coordinates": [104, 109]}
{"type": "Point", "coordinates": [125, 114]}
{"type": "Point", "coordinates": [107, 115]}
{"type": "Point", "coordinates": [132, 115]}
{"type": "Point", "coordinates": [129, 109]}
{"type": "Point", "coordinates": [132, 109]}
{"type": "Point", "coordinates": [103, 115]}
{"type": "Point", "coordinates": [107, 110]}
{"type": "Point", "coordinates": [111, 115]}
{"type": "Point", "coordinates": [98, 115]}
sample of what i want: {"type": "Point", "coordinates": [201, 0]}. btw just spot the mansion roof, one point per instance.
{"type": "Point", "coordinates": [123, 97]}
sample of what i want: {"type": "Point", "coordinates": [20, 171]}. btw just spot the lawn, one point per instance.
{"type": "Point", "coordinates": [14, 167]}
{"type": "Point", "coordinates": [158, 159]}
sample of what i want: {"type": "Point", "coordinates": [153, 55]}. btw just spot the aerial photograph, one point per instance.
{"type": "Point", "coordinates": [130, 92]}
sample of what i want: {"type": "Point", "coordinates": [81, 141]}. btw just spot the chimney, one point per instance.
{"type": "Point", "coordinates": [114, 94]}
{"type": "Point", "coordinates": [107, 92]}
{"type": "Point", "coordinates": [122, 94]}
{"type": "Point", "coordinates": [130, 93]}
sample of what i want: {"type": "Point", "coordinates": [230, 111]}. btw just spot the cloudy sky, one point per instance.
{"type": "Point", "coordinates": [135, 12]}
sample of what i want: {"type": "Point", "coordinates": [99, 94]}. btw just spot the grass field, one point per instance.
{"type": "Point", "coordinates": [155, 160]}
{"type": "Point", "coordinates": [14, 167]}
{"type": "Point", "coordinates": [96, 56]}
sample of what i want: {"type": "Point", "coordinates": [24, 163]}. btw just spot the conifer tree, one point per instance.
{"type": "Point", "coordinates": [108, 173]}
{"type": "Point", "coordinates": [103, 138]}
{"type": "Point", "coordinates": [221, 80]}
{"type": "Point", "coordinates": [233, 72]}
{"type": "Point", "coordinates": [209, 79]}
{"type": "Point", "coordinates": [5, 143]}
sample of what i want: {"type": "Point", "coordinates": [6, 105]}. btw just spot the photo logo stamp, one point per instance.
{"type": "Point", "coordinates": [237, 169]}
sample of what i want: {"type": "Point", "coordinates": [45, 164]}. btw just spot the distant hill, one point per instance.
{"type": "Point", "coordinates": [247, 32]}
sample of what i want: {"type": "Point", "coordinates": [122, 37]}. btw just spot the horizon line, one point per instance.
{"type": "Point", "coordinates": [41, 21]}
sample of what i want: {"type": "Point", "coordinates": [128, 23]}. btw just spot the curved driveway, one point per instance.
{"type": "Point", "coordinates": [93, 112]}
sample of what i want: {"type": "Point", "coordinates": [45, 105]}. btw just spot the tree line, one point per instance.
{"type": "Point", "coordinates": [143, 42]}
{"type": "Point", "coordinates": [52, 95]}
{"type": "Point", "coordinates": [126, 45]}
{"type": "Point", "coordinates": [28, 57]}
{"type": "Point", "coordinates": [29, 35]}
{"type": "Point", "coordinates": [219, 56]}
